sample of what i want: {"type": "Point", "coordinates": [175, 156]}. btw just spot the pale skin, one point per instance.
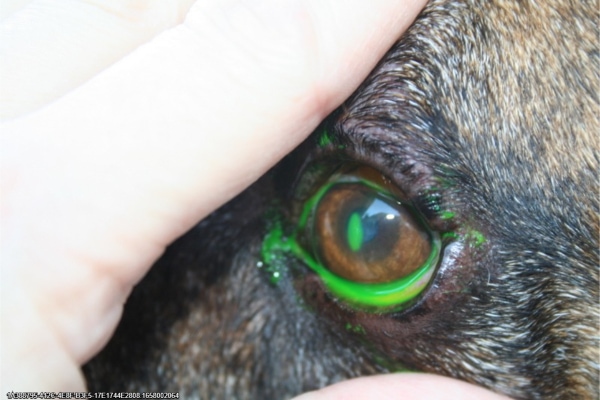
{"type": "Point", "coordinates": [126, 122]}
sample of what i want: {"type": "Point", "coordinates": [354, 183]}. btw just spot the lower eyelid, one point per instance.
{"type": "Point", "coordinates": [382, 297]}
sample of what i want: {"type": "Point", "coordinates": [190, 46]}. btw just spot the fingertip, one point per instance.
{"type": "Point", "coordinates": [408, 386]}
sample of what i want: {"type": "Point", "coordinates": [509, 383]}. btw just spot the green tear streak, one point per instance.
{"type": "Point", "coordinates": [355, 232]}
{"type": "Point", "coordinates": [273, 252]}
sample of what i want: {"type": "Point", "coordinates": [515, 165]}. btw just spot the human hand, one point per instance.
{"type": "Point", "coordinates": [123, 158]}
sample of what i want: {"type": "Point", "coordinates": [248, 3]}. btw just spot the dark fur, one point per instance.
{"type": "Point", "coordinates": [488, 109]}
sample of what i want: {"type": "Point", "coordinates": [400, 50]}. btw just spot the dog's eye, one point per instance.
{"type": "Point", "coordinates": [363, 235]}
{"type": "Point", "coordinates": [367, 245]}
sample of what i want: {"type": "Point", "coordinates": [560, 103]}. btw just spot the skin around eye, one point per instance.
{"type": "Point", "coordinates": [364, 236]}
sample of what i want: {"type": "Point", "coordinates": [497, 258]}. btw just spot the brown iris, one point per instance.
{"type": "Point", "coordinates": [365, 236]}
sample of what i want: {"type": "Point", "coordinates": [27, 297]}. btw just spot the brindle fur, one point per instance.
{"type": "Point", "coordinates": [488, 109]}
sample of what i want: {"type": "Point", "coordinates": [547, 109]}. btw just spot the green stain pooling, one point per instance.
{"type": "Point", "coordinates": [387, 295]}
{"type": "Point", "coordinates": [375, 294]}
{"type": "Point", "coordinates": [355, 232]}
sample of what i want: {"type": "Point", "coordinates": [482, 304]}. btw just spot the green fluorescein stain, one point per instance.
{"type": "Point", "coordinates": [391, 366]}
{"type": "Point", "coordinates": [445, 215]}
{"type": "Point", "coordinates": [431, 200]}
{"type": "Point", "coordinates": [325, 139]}
{"type": "Point", "coordinates": [355, 328]}
{"type": "Point", "coordinates": [273, 250]}
{"type": "Point", "coordinates": [374, 294]}
{"type": "Point", "coordinates": [477, 237]}
{"type": "Point", "coordinates": [355, 232]}
{"type": "Point", "coordinates": [450, 236]}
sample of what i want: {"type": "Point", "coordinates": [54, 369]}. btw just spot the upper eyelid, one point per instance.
{"type": "Point", "coordinates": [414, 179]}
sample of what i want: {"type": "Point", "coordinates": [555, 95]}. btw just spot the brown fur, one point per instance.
{"type": "Point", "coordinates": [487, 109]}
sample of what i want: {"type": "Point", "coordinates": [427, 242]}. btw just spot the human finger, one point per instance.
{"type": "Point", "coordinates": [49, 47]}
{"type": "Point", "coordinates": [103, 179]}
{"type": "Point", "coordinates": [408, 386]}
{"type": "Point", "coordinates": [8, 7]}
